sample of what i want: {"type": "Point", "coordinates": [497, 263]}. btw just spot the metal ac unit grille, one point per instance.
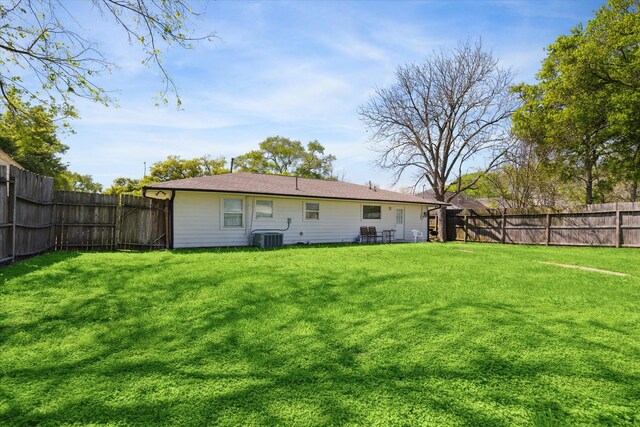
{"type": "Point", "coordinates": [267, 240]}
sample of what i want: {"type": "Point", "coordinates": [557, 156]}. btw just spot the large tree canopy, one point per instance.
{"type": "Point", "coordinates": [32, 140]}
{"type": "Point", "coordinates": [522, 180]}
{"type": "Point", "coordinates": [46, 54]}
{"type": "Point", "coordinates": [284, 156]}
{"type": "Point", "coordinates": [442, 115]}
{"type": "Point", "coordinates": [585, 108]}
{"type": "Point", "coordinates": [173, 167]}
{"type": "Point", "coordinates": [276, 155]}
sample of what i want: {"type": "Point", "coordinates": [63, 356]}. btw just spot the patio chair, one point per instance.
{"type": "Point", "coordinates": [373, 234]}
{"type": "Point", "coordinates": [364, 235]}
{"type": "Point", "coordinates": [417, 234]}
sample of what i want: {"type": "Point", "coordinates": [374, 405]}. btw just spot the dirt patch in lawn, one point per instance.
{"type": "Point", "coordinates": [465, 250]}
{"type": "Point", "coordinates": [578, 267]}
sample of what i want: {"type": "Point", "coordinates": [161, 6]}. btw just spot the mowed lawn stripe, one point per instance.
{"type": "Point", "coordinates": [361, 335]}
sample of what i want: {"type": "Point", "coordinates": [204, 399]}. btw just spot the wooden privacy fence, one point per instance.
{"type": "Point", "coordinates": [90, 221]}
{"type": "Point", "coordinates": [26, 203]}
{"type": "Point", "coordinates": [612, 224]}
{"type": "Point", "coordinates": [35, 219]}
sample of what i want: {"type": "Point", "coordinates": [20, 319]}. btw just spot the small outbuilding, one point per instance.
{"type": "Point", "coordinates": [7, 160]}
{"type": "Point", "coordinates": [231, 209]}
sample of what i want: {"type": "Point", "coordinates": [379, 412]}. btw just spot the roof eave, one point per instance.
{"type": "Point", "coordinates": [204, 190]}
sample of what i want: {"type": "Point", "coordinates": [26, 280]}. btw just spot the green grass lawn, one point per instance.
{"type": "Point", "coordinates": [416, 334]}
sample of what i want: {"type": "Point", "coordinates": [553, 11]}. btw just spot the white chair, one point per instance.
{"type": "Point", "coordinates": [417, 234]}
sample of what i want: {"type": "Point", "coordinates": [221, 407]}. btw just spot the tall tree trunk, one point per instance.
{"type": "Point", "coordinates": [588, 178]}
{"type": "Point", "coordinates": [442, 224]}
{"type": "Point", "coordinates": [633, 196]}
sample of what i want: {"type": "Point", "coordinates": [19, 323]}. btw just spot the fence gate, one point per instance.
{"type": "Point", "coordinates": [142, 223]}
{"type": "Point", "coordinates": [87, 221]}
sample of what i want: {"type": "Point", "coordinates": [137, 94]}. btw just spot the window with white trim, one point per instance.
{"type": "Point", "coordinates": [233, 213]}
{"type": "Point", "coordinates": [312, 210]}
{"type": "Point", "coordinates": [264, 209]}
{"type": "Point", "coordinates": [371, 212]}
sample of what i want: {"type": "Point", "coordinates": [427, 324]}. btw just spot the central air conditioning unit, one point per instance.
{"type": "Point", "coordinates": [267, 240]}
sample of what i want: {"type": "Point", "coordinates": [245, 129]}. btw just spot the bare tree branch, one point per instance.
{"type": "Point", "coordinates": [44, 57]}
{"type": "Point", "coordinates": [441, 116]}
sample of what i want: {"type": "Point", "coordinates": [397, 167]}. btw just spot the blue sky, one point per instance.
{"type": "Point", "coordinates": [295, 69]}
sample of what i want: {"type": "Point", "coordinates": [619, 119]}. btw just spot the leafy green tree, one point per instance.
{"type": "Point", "coordinates": [173, 167]}
{"type": "Point", "coordinates": [124, 185]}
{"type": "Point", "coordinates": [526, 180]}
{"type": "Point", "coordinates": [613, 54]}
{"type": "Point", "coordinates": [72, 181]}
{"type": "Point", "coordinates": [315, 164]}
{"type": "Point", "coordinates": [584, 110]}
{"type": "Point", "coordinates": [565, 115]}
{"type": "Point", "coordinates": [523, 179]}
{"type": "Point", "coordinates": [42, 41]}
{"type": "Point", "coordinates": [477, 185]}
{"type": "Point", "coordinates": [279, 155]}
{"type": "Point", "coordinates": [32, 139]}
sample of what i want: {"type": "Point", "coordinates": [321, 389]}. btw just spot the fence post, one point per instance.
{"type": "Point", "coordinates": [118, 222]}
{"type": "Point", "coordinates": [548, 230]}
{"type": "Point", "coordinates": [114, 241]}
{"type": "Point", "coordinates": [54, 222]}
{"type": "Point", "coordinates": [618, 226]}
{"type": "Point", "coordinates": [504, 225]}
{"type": "Point", "coordinates": [13, 198]}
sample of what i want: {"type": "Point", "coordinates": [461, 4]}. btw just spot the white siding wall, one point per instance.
{"type": "Point", "coordinates": [197, 219]}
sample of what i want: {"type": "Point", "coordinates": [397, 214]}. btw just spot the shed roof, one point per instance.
{"type": "Point", "coordinates": [459, 201]}
{"type": "Point", "coordinates": [6, 160]}
{"type": "Point", "coordinates": [281, 185]}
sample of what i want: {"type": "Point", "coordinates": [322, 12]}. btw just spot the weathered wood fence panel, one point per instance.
{"type": "Point", "coordinates": [32, 209]}
{"type": "Point", "coordinates": [143, 223]}
{"type": "Point", "coordinates": [85, 221]}
{"type": "Point", "coordinates": [630, 227]}
{"type": "Point", "coordinates": [614, 224]}
{"type": "Point", "coordinates": [88, 221]}
{"type": "Point", "coordinates": [35, 219]}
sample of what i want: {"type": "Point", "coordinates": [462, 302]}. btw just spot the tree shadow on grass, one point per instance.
{"type": "Point", "coordinates": [242, 249]}
{"type": "Point", "coordinates": [29, 265]}
{"type": "Point", "coordinates": [237, 351]}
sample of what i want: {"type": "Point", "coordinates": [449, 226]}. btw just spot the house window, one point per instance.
{"type": "Point", "coordinates": [312, 210]}
{"type": "Point", "coordinates": [264, 209]}
{"type": "Point", "coordinates": [233, 213]}
{"type": "Point", "coordinates": [371, 212]}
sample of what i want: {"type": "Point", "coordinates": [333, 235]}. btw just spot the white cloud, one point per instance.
{"type": "Point", "coordinates": [295, 69]}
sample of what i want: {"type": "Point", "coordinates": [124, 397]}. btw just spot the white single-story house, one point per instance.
{"type": "Point", "coordinates": [231, 209]}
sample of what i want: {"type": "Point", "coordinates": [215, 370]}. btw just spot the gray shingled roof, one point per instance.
{"type": "Point", "coordinates": [280, 185]}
